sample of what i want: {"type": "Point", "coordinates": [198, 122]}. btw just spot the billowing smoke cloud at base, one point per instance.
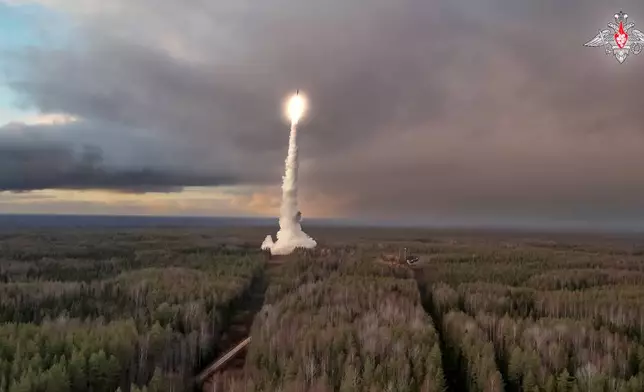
{"type": "Point", "coordinates": [290, 236]}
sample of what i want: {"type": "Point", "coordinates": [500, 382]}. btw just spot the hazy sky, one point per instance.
{"type": "Point", "coordinates": [439, 111]}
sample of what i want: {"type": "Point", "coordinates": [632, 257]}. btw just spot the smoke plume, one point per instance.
{"type": "Point", "coordinates": [290, 236]}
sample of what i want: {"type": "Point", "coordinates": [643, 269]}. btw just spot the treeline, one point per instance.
{"type": "Point", "coordinates": [539, 320]}
{"type": "Point", "coordinates": [146, 295]}
{"type": "Point", "coordinates": [617, 308]}
{"type": "Point", "coordinates": [542, 352]}
{"type": "Point", "coordinates": [555, 353]}
{"type": "Point", "coordinates": [135, 311]}
{"type": "Point", "coordinates": [540, 269]}
{"type": "Point", "coordinates": [469, 351]}
{"type": "Point", "coordinates": [86, 270]}
{"type": "Point", "coordinates": [343, 325]}
{"type": "Point", "coordinates": [151, 326]}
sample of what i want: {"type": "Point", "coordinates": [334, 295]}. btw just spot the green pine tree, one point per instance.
{"type": "Point", "coordinates": [529, 382]}
{"type": "Point", "coordinates": [56, 379]}
{"type": "Point", "coordinates": [564, 383]}
{"type": "Point", "coordinates": [156, 382]}
{"type": "Point", "coordinates": [77, 371]}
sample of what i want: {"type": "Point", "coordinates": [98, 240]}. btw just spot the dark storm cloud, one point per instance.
{"type": "Point", "coordinates": [353, 62]}
{"type": "Point", "coordinates": [440, 109]}
{"type": "Point", "coordinates": [26, 168]}
{"type": "Point", "coordinates": [30, 160]}
{"type": "Point", "coordinates": [226, 105]}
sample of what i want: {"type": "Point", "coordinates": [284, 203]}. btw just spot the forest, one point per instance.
{"type": "Point", "coordinates": [146, 310]}
{"type": "Point", "coordinates": [112, 312]}
{"type": "Point", "coordinates": [545, 316]}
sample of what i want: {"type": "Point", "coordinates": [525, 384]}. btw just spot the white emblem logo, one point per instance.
{"type": "Point", "coordinates": [623, 40]}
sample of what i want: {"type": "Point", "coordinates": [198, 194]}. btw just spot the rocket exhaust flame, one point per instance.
{"type": "Point", "coordinates": [290, 236]}
{"type": "Point", "coordinates": [296, 107]}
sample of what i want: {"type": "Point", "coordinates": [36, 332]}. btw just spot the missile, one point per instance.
{"type": "Point", "coordinates": [298, 92]}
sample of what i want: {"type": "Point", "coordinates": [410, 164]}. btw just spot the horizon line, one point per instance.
{"type": "Point", "coordinates": [554, 227]}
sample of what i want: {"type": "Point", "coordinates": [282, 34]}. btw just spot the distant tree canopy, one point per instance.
{"type": "Point", "coordinates": [144, 310]}
{"type": "Point", "coordinates": [549, 317]}
{"type": "Point", "coordinates": [85, 317]}
{"type": "Point", "coordinates": [338, 323]}
{"type": "Point", "coordinates": [531, 316]}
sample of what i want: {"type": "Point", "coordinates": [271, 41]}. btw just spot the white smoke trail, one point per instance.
{"type": "Point", "coordinates": [290, 236]}
{"type": "Point", "coordinates": [268, 243]}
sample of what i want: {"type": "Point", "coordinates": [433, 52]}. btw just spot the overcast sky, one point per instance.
{"type": "Point", "coordinates": [437, 111]}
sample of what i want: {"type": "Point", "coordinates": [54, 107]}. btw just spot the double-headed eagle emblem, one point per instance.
{"type": "Point", "coordinates": [623, 40]}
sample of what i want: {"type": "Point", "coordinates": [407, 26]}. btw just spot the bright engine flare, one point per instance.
{"type": "Point", "coordinates": [290, 236]}
{"type": "Point", "coordinates": [296, 107]}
